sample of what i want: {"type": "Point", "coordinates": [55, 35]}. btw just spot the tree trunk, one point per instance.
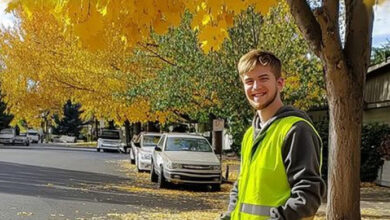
{"type": "Point", "coordinates": [128, 134]}
{"type": "Point", "coordinates": [345, 68]}
{"type": "Point", "coordinates": [345, 98]}
{"type": "Point", "coordinates": [96, 129]}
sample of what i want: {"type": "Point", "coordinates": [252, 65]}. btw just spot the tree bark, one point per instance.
{"type": "Point", "coordinates": [345, 70]}
{"type": "Point", "coordinates": [345, 98]}
{"type": "Point", "coordinates": [128, 134]}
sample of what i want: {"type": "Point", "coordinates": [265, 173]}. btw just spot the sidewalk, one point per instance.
{"type": "Point", "coordinates": [73, 145]}
{"type": "Point", "coordinates": [374, 203]}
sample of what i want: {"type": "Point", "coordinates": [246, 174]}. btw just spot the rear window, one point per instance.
{"type": "Point", "coordinates": [187, 144]}
{"type": "Point", "coordinates": [6, 131]}
{"type": "Point", "coordinates": [110, 135]}
{"type": "Point", "coordinates": [151, 140]}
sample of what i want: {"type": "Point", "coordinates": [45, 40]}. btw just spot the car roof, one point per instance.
{"type": "Point", "coordinates": [152, 133]}
{"type": "Point", "coordinates": [184, 135]}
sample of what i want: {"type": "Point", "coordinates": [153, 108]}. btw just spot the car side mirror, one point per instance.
{"type": "Point", "coordinates": [157, 148]}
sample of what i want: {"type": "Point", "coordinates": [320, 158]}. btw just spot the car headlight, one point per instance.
{"type": "Point", "coordinates": [171, 165]}
{"type": "Point", "coordinates": [216, 167]}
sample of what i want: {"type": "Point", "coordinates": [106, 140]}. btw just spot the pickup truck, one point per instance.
{"type": "Point", "coordinates": [33, 135]}
{"type": "Point", "coordinates": [110, 139]}
{"type": "Point", "coordinates": [8, 136]}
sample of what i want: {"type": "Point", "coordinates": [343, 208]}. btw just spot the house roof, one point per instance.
{"type": "Point", "coordinates": [377, 67]}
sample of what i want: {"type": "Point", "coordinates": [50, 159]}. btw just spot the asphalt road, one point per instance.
{"type": "Point", "coordinates": [48, 182]}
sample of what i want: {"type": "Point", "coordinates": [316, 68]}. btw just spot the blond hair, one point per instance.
{"type": "Point", "coordinates": [250, 60]}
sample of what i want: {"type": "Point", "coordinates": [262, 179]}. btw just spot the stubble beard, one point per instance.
{"type": "Point", "coordinates": [265, 105]}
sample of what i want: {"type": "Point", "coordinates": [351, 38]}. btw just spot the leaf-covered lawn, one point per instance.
{"type": "Point", "coordinates": [200, 203]}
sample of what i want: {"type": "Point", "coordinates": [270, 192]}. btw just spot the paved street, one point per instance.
{"type": "Point", "coordinates": [54, 182]}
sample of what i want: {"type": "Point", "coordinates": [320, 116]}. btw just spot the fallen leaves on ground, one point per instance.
{"type": "Point", "coordinates": [166, 214]}
{"type": "Point", "coordinates": [24, 213]}
{"type": "Point", "coordinates": [217, 201]}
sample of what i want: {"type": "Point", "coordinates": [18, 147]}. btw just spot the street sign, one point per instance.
{"type": "Point", "coordinates": [218, 124]}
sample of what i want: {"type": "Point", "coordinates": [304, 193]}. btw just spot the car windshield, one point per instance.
{"type": "Point", "coordinates": [32, 133]}
{"type": "Point", "coordinates": [110, 135]}
{"type": "Point", "coordinates": [6, 131]}
{"type": "Point", "coordinates": [151, 140]}
{"type": "Point", "coordinates": [187, 144]}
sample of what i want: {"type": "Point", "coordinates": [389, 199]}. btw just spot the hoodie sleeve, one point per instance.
{"type": "Point", "coordinates": [232, 202]}
{"type": "Point", "coordinates": [302, 159]}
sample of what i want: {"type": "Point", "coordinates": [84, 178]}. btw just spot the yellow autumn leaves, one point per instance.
{"type": "Point", "coordinates": [136, 19]}
{"type": "Point", "coordinates": [44, 67]}
{"type": "Point", "coordinates": [80, 50]}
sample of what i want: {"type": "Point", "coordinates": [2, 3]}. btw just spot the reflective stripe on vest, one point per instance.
{"type": "Point", "coordinates": [256, 209]}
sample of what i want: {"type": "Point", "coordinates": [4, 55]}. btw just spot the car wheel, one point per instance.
{"type": "Point", "coordinates": [153, 175]}
{"type": "Point", "coordinates": [98, 149]}
{"type": "Point", "coordinates": [216, 187]}
{"type": "Point", "coordinates": [162, 183]}
{"type": "Point", "coordinates": [27, 144]}
{"type": "Point", "coordinates": [132, 161]}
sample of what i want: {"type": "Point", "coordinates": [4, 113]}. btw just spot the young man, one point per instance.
{"type": "Point", "coordinates": [280, 154]}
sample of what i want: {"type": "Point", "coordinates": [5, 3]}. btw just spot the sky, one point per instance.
{"type": "Point", "coordinates": [381, 29]}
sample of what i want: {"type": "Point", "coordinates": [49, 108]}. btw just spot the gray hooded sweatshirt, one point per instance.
{"type": "Point", "coordinates": [301, 153]}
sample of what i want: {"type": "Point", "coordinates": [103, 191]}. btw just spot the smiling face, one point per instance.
{"type": "Point", "coordinates": [261, 87]}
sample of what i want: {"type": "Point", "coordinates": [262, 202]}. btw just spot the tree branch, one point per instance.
{"type": "Point", "coordinates": [157, 55]}
{"type": "Point", "coordinates": [307, 23]}
{"type": "Point", "coordinates": [359, 23]}
{"type": "Point", "coordinates": [73, 86]}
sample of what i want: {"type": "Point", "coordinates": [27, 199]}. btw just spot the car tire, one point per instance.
{"type": "Point", "coordinates": [161, 182]}
{"type": "Point", "coordinates": [27, 144]}
{"type": "Point", "coordinates": [153, 175]}
{"type": "Point", "coordinates": [98, 149]}
{"type": "Point", "coordinates": [132, 160]}
{"type": "Point", "coordinates": [216, 187]}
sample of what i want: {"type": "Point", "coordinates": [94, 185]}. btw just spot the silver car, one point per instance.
{"type": "Point", "coordinates": [184, 158]}
{"type": "Point", "coordinates": [143, 150]}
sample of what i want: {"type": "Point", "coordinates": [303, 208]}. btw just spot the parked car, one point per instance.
{"type": "Point", "coordinates": [183, 158]}
{"type": "Point", "coordinates": [33, 135]}
{"type": "Point", "coordinates": [22, 139]}
{"type": "Point", "coordinates": [8, 136]}
{"type": "Point", "coordinates": [143, 149]}
{"type": "Point", "coordinates": [109, 139]}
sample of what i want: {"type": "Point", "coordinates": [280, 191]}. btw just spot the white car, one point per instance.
{"type": "Point", "coordinates": [33, 135]}
{"type": "Point", "coordinates": [109, 140]}
{"type": "Point", "coordinates": [7, 136]}
{"type": "Point", "coordinates": [143, 149]}
{"type": "Point", "coordinates": [184, 158]}
{"type": "Point", "coordinates": [22, 139]}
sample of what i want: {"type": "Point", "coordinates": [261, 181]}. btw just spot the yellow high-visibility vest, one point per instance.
{"type": "Point", "coordinates": [263, 182]}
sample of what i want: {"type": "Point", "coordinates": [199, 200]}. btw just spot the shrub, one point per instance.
{"type": "Point", "coordinates": [371, 154]}
{"type": "Point", "coordinates": [384, 149]}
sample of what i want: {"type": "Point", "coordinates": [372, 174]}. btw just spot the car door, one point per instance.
{"type": "Point", "coordinates": [157, 158]}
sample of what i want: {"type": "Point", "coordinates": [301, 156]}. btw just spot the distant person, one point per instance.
{"type": "Point", "coordinates": [281, 158]}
